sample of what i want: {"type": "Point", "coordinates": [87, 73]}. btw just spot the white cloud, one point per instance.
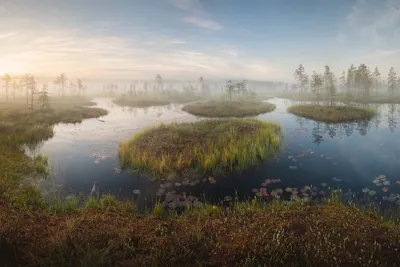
{"type": "Point", "coordinates": [375, 20]}
{"type": "Point", "coordinates": [50, 52]}
{"type": "Point", "coordinates": [203, 23]}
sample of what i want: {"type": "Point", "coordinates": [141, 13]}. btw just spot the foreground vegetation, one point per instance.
{"type": "Point", "coordinates": [208, 145]}
{"type": "Point", "coordinates": [228, 108]}
{"type": "Point", "coordinates": [332, 113]}
{"type": "Point", "coordinates": [250, 233]}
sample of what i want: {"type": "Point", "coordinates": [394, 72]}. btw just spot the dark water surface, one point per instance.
{"type": "Point", "coordinates": [347, 155]}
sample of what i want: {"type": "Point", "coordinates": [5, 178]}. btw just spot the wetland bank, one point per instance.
{"type": "Point", "coordinates": [199, 137]}
{"type": "Point", "coordinates": [166, 173]}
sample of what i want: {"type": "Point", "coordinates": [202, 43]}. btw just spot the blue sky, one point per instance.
{"type": "Point", "coordinates": [217, 39]}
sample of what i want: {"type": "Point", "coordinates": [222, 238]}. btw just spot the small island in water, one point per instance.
{"type": "Point", "coordinates": [332, 113]}
{"type": "Point", "coordinates": [207, 146]}
{"type": "Point", "coordinates": [221, 108]}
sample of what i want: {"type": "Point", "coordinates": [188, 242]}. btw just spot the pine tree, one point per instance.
{"type": "Point", "coordinates": [363, 79]}
{"type": "Point", "coordinates": [350, 78]}
{"type": "Point", "coordinates": [301, 77]}
{"type": "Point", "coordinates": [392, 80]}
{"type": "Point", "coordinates": [376, 78]}
{"type": "Point", "coordinates": [329, 83]}
{"type": "Point", "coordinates": [230, 88]}
{"type": "Point", "coordinates": [43, 97]}
{"type": "Point", "coordinates": [342, 80]}
{"type": "Point", "coordinates": [316, 84]}
{"type": "Point", "coordinates": [7, 81]}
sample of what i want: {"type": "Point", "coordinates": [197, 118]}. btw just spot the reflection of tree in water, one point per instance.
{"type": "Point", "coordinates": [348, 128]}
{"type": "Point", "coordinates": [317, 133]}
{"type": "Point", "coordinates": [377, 119]}
{"type": "Point", "coordinates": [364, 127]}
{"type": "Point", "coordinates": [301, 121]}
{"type": "Point", "coordinates": [392, 119]}
{"type": "Point", "coordinates": [331, 129]}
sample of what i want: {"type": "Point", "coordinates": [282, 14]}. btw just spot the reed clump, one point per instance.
{"type": "Point", "coordinates": [206, 146]}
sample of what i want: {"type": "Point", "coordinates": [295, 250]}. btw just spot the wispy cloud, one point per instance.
{"type": "Point", "coordinates": [190, 5]}
{"type": "Point", "coordinates": [195, 14]}
{"type": "Point", "coordinates": [204, 23]}
{"type": "Point", "coordinates": [8, 35]}
{"type": "Point", "coordinates": [381, 54]}
{"type": "Point", "coordinates": [77, 54]}
{"type": "Point", "coordinates": [375, 20]}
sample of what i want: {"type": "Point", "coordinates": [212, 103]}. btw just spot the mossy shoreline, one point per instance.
{"type": "Point", "coordinates": [247, 233]}
{"type": "Point", "coordinates": [332, 113]}
{"type": "Point", "coordinates": [207, 146]}
{"type": "Point", "coordinates": [228, 108]}
{"type": "Point", "coordinates": [20, 126]}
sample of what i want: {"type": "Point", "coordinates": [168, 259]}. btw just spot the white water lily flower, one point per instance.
{"type": "Point", "coordinates": [365, 190]}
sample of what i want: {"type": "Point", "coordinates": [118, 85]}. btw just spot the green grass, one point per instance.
{"type": "Point", "coordinates": [332, 113]}
{"type": "Point", "coordinates": [206, 146]}
{"type": "Point", "coordinates": [228, 108]}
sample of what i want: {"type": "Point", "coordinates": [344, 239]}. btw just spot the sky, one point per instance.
{"type": "Point", "coordinates": [185, 39]}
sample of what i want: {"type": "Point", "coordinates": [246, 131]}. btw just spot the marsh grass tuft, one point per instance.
{"type": "Point", "coordinates": [228, 108]}
{"type": "Point", "coordinates": [254, 233]}
{"type": "Point", "coordinates": [332, 113]}
{"type": "Point", "coordinates": [206, 146]}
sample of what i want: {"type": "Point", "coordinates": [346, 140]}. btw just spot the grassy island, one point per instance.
{"type": "Point", "coordinates": [228, 108]}
{"type": "Point", "coordinates": [332, 113]}
{"type": "Point", "coordinates": [228, 144]}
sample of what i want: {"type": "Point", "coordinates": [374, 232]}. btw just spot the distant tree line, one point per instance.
{"type": "Point", "coordinates": [356, 80]}
{"type": "Point", "coordinates": [37, 94]}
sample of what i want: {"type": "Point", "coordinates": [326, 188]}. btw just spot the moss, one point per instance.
{"type": "Point", "coordinates": [228, 144]}
{"type": "Point", "coordinates": [293, 235]}
{"type": "Point", "coordinates": [332, 113]}
{"type": "Point", "coordinates": [228, 108]}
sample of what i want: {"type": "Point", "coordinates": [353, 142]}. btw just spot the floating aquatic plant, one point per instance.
{"type": "Point", "coordinates": [136, 191]}
{"type": "Point", "coordinates": [372, 192]}
{"type": "Point", "coordinates": [365, 190]}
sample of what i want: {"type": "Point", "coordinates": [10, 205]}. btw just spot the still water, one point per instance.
{"type": "Point", "coordinates": [347, 155]}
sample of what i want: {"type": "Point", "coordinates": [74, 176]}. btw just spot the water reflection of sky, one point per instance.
{"type": "Point", "coordinates": [353, 153]}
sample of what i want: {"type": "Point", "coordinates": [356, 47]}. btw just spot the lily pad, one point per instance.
{"type": "Point", "coordinates": [365, 190]}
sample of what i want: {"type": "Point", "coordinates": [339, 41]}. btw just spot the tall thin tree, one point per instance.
{"type": "Point", "coordinates": [392, 80]}
{"type": "Point", "coordinates": [7, 81]}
